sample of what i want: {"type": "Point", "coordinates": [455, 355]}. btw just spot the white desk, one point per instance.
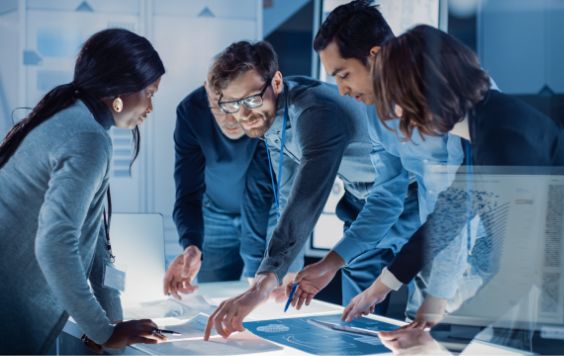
{"type": "Point", "coordinates": [215, 292]}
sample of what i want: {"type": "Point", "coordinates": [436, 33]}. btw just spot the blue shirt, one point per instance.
{"type": "Point", "coordinates": [504, 132]}
{"type": "Point", "coordinates": [397, 162]}
{"type": "Point", "coordinates": [329, 135]}
{"type": "Point", "coordinates": [326, 137]}
{"type": "Point", "coordinates": [227, 171]}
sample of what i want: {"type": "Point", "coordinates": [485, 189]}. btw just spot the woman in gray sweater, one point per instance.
{"type": "Point", "coordinates": [54, 176]}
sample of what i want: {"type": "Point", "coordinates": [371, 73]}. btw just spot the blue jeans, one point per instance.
{"type": "Point", "coordinates": [221, 258]}
{"type": "Point", "coordinates": [221, 248]}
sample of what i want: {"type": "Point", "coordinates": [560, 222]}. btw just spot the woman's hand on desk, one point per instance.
{"type": "Point", "coordinates": [411, 342]}
{"type": "Point", "coordinates": [429, 314]}
{"type": "Point", "coordinates": [134, 332]}
{"type": "Point", "coordinates": [228, 317]}
{"type": "Point", "coordinates": [364, 303]}
{"type": "Point", "coordinates": [313, 278]}
{"type": "Point", "coordinates": [181, 272]}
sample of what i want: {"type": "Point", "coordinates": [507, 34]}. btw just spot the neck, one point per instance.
{"type": "Point", "coordinates": [462, 129]}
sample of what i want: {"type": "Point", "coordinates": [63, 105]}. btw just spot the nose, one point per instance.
{"type": "Point", "coordinates": [243, 113]}
{"type": "Point", "coordinates": [230, 119]}
{"type": "Point", "coordinates": [150, 107]}
{"type": "Point", "coordinates": [343, 90]}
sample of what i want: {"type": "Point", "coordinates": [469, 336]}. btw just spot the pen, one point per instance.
{"type": "Point", "coordinates": [165, 331]}
{"type": "Point", "coordinates": [294, 287]}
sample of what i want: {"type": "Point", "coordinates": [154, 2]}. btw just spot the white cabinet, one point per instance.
{"type": "Point", "coordinates": [52, 33]}
{"type": "Point", "coordinates": [40, 44]}
{"type": "Point", "coordinates": [187, 35]}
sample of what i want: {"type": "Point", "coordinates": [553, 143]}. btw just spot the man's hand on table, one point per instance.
{"type": "Point", "coordinates": [313, 278]}
{"type": "Point", "coordinates": [178, 278]}
{"type": "Point", "coordinates": [228, 317]}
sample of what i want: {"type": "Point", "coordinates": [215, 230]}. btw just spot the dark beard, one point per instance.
{"type": "Point", "coordinates": [259, 131]}
{"type": "Point", "coordinates": [256, 132]}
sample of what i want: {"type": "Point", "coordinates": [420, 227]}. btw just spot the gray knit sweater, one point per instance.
{"type": "Point", "coordinates": [51, 203]}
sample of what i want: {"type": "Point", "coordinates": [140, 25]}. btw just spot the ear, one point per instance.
{"type": "Point", "coordinates": [373, 52]}
{"type": "Point", "coordinates": [277, 82]}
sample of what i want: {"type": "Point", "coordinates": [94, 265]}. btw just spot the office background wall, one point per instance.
{"type": "Point", "coordinates": [519, 42]}
{"type": "Point", "coordinates": [40, 40]}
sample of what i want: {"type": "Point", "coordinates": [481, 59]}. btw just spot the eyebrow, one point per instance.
{"type": "Point", "coordinates": [336, 71]}
{"type": "Point", "coordinates": [257, 92]}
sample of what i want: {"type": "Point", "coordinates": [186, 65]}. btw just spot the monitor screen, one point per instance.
{"type": "Point", "coordinates": [517, 262]}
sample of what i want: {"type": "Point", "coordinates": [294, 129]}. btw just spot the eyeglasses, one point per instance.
{"type": "Point", "coordinates": [251, 102]}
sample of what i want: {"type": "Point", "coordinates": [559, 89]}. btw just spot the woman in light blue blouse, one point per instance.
{"type": "Point", "coordinates": [54, 170]}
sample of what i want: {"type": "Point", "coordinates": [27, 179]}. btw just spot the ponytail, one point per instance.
{"type": "Point", "coordinates": [54, 101]}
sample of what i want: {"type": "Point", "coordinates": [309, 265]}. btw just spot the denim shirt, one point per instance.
{"type": "Point", "coordinates": [326, 137]}
{"type": "Point", "coordinates": [377, 165]}
{"type": "Point", "coordinates": [430, 162]}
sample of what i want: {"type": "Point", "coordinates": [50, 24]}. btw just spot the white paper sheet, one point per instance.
{"type": "Point", "coordinates": [191, 341]}
{"type": "Point", "coordinates": [189, 306]}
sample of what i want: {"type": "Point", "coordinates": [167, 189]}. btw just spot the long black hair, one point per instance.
{"type": "Point", "coordinates": [111, 63]}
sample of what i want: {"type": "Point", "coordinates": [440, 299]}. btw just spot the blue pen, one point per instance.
{"type": "Point", "coordinates": [294, 287]}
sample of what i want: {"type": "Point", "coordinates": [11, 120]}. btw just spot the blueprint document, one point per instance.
{"type": "Point", "coordinates": [302, 334]}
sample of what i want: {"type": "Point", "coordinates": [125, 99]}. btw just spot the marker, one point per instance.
{"type": "Point", "coordinates": [294, 287]}
{"type": "Point", "coordinates": [164, 331]}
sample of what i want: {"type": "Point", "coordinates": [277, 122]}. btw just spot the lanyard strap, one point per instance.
{"type": "Point", "coordinates": [107, 221]}
{"type": "Point", "coordinates": [276, 188]}
{"type": "Point", "coordinates": [468, 150]}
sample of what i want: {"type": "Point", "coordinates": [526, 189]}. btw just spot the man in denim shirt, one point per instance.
{"type": "Point", "coordinates": [326, 136]}
{"type": "Point", "coordinates": [223, 197]}
{"type": "Point", "coordinates": [387, 218]}
{"type": "Point", "coordinates": [347, 55]}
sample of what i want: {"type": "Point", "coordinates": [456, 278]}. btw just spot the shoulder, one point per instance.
{"type": "Point", "coordinates": [76, 123]}
{"type": "Point", "coordinates": [193, 108]}
{"type": "Point", "coordinates": [196, 99]}
{"type": "Point", "coordinates": [506, 131]}
{"type": "Point", "coordinates": [310, 97]}
{"type": "Point", "coordinates": [503, 112]}
{"type": "Point", "coordinates": [87, 149]}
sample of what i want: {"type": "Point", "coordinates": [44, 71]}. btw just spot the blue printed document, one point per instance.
{"type": "Point", "coordinates": [308, 334]}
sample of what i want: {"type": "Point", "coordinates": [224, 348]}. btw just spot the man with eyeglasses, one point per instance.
{"type": "Point", "coordinates": [223, 210]}
{"type": "Point", "coordinates": [313, 135]}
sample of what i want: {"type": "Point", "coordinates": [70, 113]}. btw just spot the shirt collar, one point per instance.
{"type": "Point", "coordinates": [280, 106]}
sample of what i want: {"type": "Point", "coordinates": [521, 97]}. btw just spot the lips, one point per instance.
{"type": "Point", "coordinates": [252, 123]}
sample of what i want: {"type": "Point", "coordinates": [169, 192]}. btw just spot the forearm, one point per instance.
{"type": "Point", "coordinates": [311, 188]}
{"type": "Point", "coordinates": [379, 219]}
{"type": "Point", "coordinates": [189, 221]}
{"type": "Point", "coordinates": [66, 277]}
{"type": "Point", "coordinates": [189, 169]}
{"type": "Point", "coordinates": [109, 298]}
{"type": "Point", "coordinates": [264, 284]}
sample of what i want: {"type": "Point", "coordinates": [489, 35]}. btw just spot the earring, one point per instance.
{"type": "Point", "coordinates": [117, 104]}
